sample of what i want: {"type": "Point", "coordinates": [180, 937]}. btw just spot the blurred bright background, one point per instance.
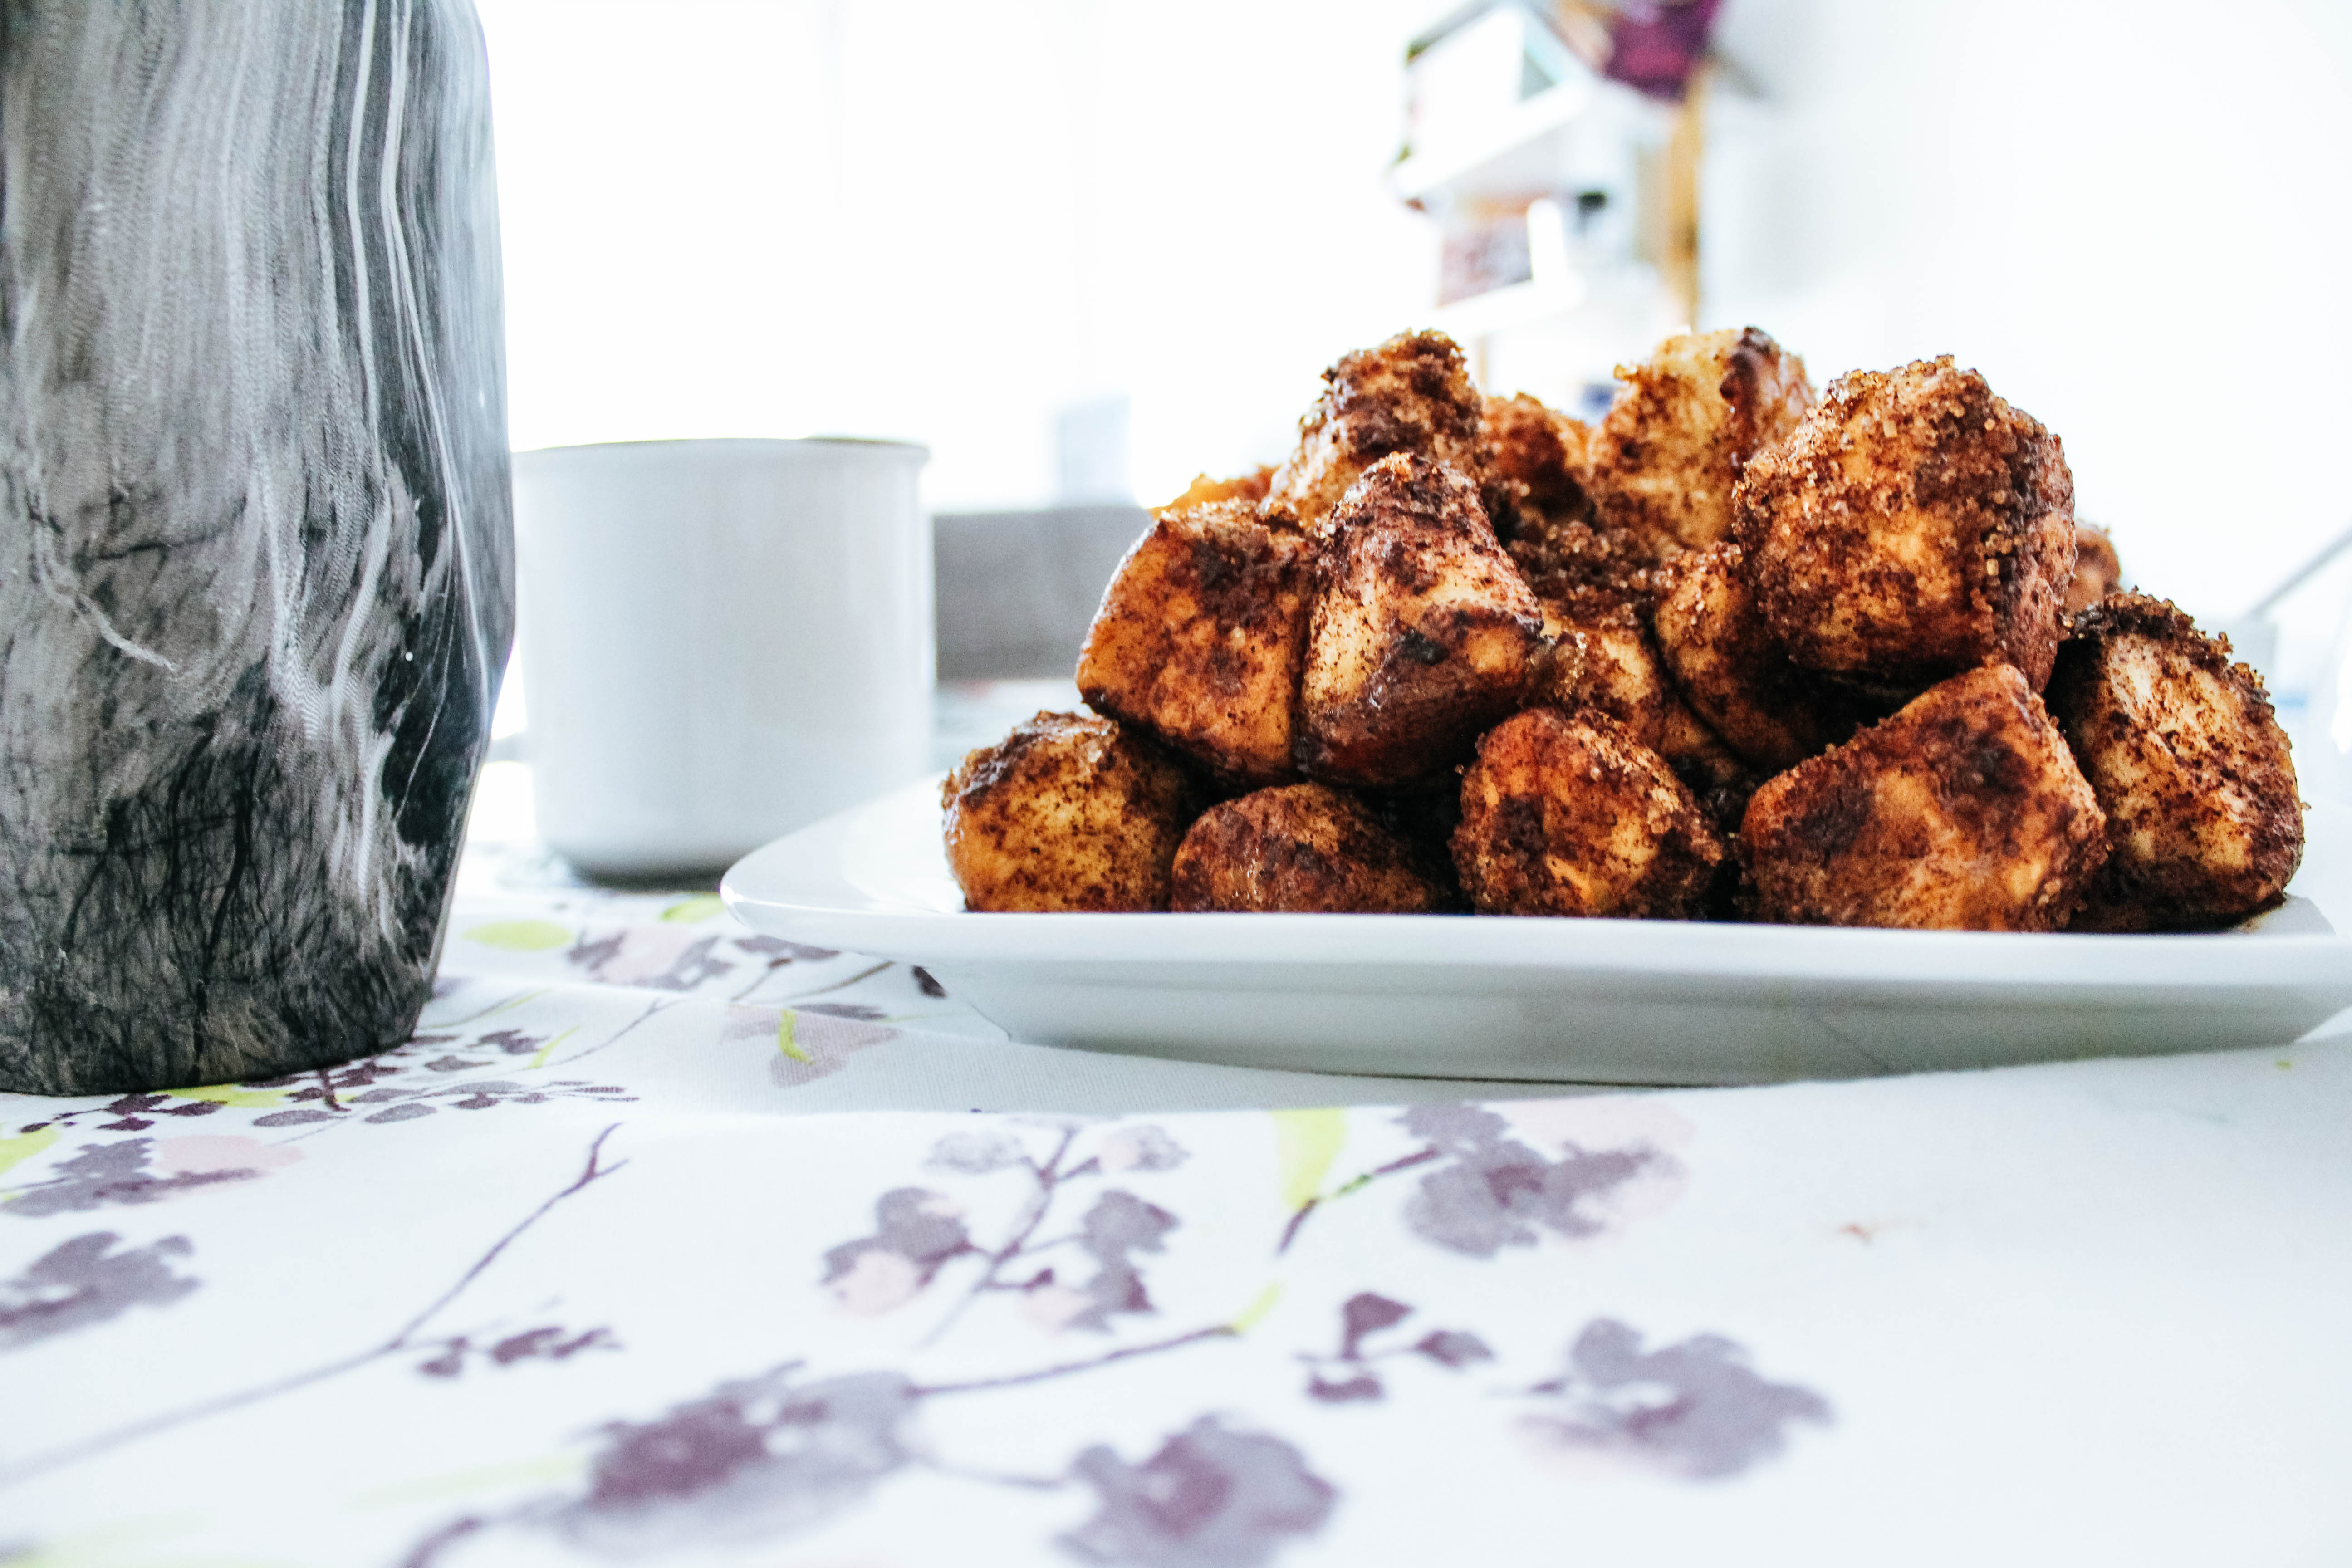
{"type": "Point", "coordinates": [1085, 249]}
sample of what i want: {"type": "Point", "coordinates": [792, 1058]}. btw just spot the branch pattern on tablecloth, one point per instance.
{"type": "Point", "coordinates": [767, 1456]}
{"type": "Point", "coordinates": [918, 1232]}
{"type": "Point", "coordinates": [776, 1455]}
{"type": "Point", "coordinates": [1027, 1255]}
{"type": "Point", "coordinates": [409, 1337]}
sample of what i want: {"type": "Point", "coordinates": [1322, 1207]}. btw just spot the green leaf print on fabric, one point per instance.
{"type": "Point", "coordinates": [15, 1151]}
{"type": "Point", "coordinates": [232, 1096]}
{"type": "Point", "coordinates": [694, 911]}
{"type": "Point", "coordinates": [520, 936]}
{"type": "Point", "coordinates": [1308, 1140]}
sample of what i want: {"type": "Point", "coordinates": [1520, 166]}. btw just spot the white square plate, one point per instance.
{"type": "Point", "coordinates": [1567, 1001]}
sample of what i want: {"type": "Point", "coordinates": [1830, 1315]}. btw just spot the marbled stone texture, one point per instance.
{"type": "Point", "coordinates": [256, 560]}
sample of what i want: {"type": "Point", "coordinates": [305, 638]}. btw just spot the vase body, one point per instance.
{"type": "Point", "coordinates": [256, 558]}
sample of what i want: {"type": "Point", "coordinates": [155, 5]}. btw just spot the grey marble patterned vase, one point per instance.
{"type": "Point", "coordinates": [255, 576]}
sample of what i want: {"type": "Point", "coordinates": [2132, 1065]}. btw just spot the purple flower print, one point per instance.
{"type": "Point", "coordinates": [806, 1043]}
{"type": "Point", "coordinates": [765, 1457]}
{"type": "Point", "coordinates": [85, 1262]}
{"type": "Point", "coordinates": [915, 1231]}
{"type": "Point", "coordinates": [1491, 1192]}
{"type": "Point", "coordinates": [976, 1153]}
{"type": "Point", "coordinates": [79, 1283]}
{"type": "Point", "coordinates": [1142, 1147]}
{"type": "Point", "coordinates": [1119, 1223]}
{"type": "Point", "coordinates": [750, 1460]}
{"type": "Point", "coordinates": [657, 958]}
{"type": "Point", "coordinates": [104, 1175]}
{"type": "Point", "coordinates": [1350, 1375]}
{"type": "Point", "coordinates": [1692, 1410]}
{"type": "Point", "coordinates": [1454, 1348]}
{"type": "Point", "coordinates": [1481, 1190]}
{"type": "Point", "coordinates": [874, 1273]}
{"type": "Point", "coordinates": [1211, 1497]}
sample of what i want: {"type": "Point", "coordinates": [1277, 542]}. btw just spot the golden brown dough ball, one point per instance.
{"type": "Point", "coordinates": [1251, 486]}
{"type": "Point", "coordinates": [1533, 458]}
{"type": "Point", "coordinates": [1730, 667]}
{"type": "Point", "coordinates": [1602, 661]}
{"type": "Point", "coordinates": [1963, 811]}
{"type": "Point", "coordinates": [1413, 393]}
{"type": "Point", "coordinates": [2097, 571]}
{"type": "Point", "coordinates": [1421, 633]}
{"type": "Point", "coordinates": [1201, 637]}
{"type": "Point", "coordinates": [1069, 811]}
{"type": "Point", "coordinates": [1572, 816]}
{"type": "Point", "coordinates": [1690, 417]}
{"type": "Point", "coordinates": [2204, 823]}
{"type": "Point", "coordinates": [1916, 525]}
{"type": "Point", "coordinates": [1302, 848]}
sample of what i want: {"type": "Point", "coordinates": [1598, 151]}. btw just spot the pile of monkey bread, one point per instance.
{"type": "Point", "coordinates": [1737, 652]}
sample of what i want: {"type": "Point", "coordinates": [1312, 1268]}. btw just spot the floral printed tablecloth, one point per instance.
{"type": "Point", "coordinates": [664, 1241]}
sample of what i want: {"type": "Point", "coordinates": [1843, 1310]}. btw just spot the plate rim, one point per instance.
{"type": "Point", "coordinates": [1726, 953]}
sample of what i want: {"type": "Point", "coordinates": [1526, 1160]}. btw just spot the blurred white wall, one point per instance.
{"type": "Point", "coordinates": [949, 221]}
{"type": "Point", "coordinates": [958, 222]}
{"type": "Point", "coordinates": [2134, 218]}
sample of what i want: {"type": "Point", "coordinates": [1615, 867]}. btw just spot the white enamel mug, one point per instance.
{"type": "Point", "coordinates": [722, 641]}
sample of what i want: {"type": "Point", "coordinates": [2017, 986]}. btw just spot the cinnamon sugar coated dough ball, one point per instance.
{"type": "Point", "coordinates": [1572, 816]}
{"type": "Point", "coordinates": [1602, 661]}
{"type": "Point", "coordinates": [1915, 526]}
{"type": "Point", "coordinates": [2097, 571]}
{"type": "Point", "coordinates": [1667, 456]}
{"type": "Point", "coordinates": [1413, 393]}
{"type": "Point", "coordinates": [1575, 559]}
{"type": "Point", "coordinates": [1731, 669]}
{"type": "Point", "coordinates": [1251, 486]}
{"type": "Point", "coordinates": [1533, 457]}
{"type": "Point", "coordinates": [1963, 811]}
{"type": "Point", "coordinates": [1302, 848]}
{"type": "Point", "coordinates": [1200, 639]}
{"type": "Point", "coordinates": [1421, 633]}
{"type": "Point", "coordinates": [2204, 822]}
{"type": "Point", "coordinates": [1068, 813]}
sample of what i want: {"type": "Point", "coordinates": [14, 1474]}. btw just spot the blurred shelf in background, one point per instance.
{"type": "Point", "coordinates": [1556, 145]}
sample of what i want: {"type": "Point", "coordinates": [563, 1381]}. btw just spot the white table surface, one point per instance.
{"type": "Point", "coordinates": [662, 1241]}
